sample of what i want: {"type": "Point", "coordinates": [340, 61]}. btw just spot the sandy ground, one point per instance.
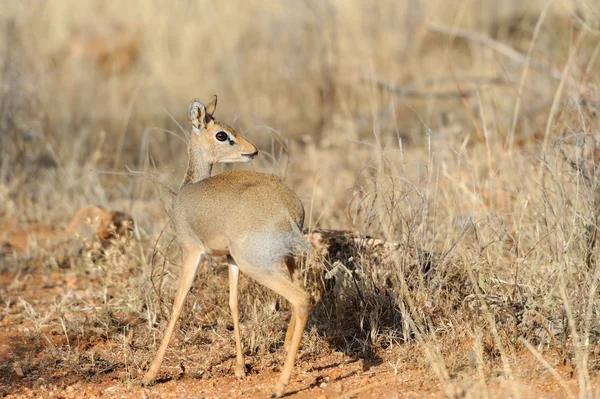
{"type": "Point", "coordinates": [333, 376]}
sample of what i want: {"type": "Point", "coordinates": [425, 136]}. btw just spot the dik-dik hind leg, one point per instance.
{"type": "Point", "coordinates": [234, 276]}
{"type": "Point", "coordinates": [190, 266]}
{"type": "Point", "coordinates": [271, 276]}
{"type": "Point", "coordinates": [297, 280]}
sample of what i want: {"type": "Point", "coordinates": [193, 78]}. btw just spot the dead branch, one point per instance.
{"type": "Point", "coordinates": [420, 89]}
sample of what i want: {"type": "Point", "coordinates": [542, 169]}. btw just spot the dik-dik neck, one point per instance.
{"type": "Point", "coordinates": [198, 167]}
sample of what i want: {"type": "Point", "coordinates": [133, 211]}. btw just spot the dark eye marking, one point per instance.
{"type": "Point", "coordinates": [221, 136]}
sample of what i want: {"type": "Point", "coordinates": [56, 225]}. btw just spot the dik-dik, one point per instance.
{"type": "Point", "coordinates": [252, 218]}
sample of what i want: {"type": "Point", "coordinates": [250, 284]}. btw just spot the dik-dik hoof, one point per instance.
{"type": "Point", "coordinates": [240, 371]}
{"type": "Point", "coordinates": [278, 391]}
{"type": "Point", "coordinates": [148, 378]}
{"type": "Point", "coordinates": [146, 383]}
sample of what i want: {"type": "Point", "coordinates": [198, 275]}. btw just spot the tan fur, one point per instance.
{"type": "Point", "coordinates": [253, 218]}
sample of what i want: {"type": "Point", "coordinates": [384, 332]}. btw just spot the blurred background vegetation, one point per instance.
{"type": "Point", "coordinates": [468, 129]}
{"type": "Point", "coordinates": [100, 84]}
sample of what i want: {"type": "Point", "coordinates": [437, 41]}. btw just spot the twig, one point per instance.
{"type": "Point", "coordinates": [417, 90]}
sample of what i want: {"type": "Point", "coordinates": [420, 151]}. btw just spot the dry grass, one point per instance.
{"type": "Point", "coordinates": [466, 132]}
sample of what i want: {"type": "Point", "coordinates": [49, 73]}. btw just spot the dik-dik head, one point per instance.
{"type": "Point", "coordinates": [217, 141]}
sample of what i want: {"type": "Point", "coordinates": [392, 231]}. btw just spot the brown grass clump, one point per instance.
{"type": "Point", "coordinates": [446, 153]}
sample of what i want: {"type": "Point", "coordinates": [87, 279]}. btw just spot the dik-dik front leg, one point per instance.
{"type": "Point", "coordinates": [190, 266]}
{"type": "Point", "coordinates": [234, 276]}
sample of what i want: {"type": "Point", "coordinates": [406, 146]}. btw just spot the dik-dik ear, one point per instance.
{"type": "Point", "coordinates": [197, 114]}
{"type": "Point", "coordinates": [211, 105]}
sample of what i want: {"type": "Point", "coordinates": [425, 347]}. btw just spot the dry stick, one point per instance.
{"type": "Point", "coordinates": [548, 367]}
{"type": "Point", "coordinates": [416, 90]}
{"type": "Point", "coordinates": [524, 74]}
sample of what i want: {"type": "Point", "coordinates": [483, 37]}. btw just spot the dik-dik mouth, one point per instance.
{"type": "Point", "coordinates": [251, 155]}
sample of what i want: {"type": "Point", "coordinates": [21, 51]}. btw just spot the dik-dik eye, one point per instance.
{"type": "Point", "coordinates": [221, 136]}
